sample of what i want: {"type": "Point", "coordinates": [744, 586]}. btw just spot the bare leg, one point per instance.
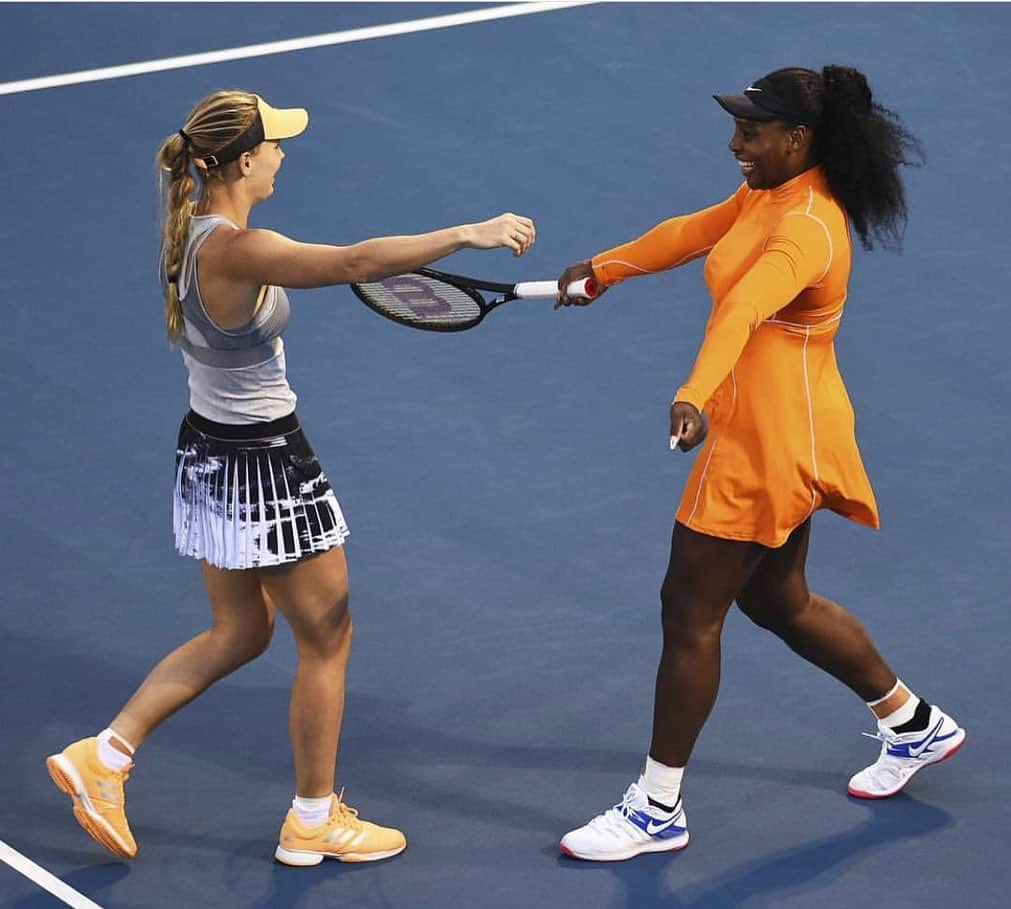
{"type": "Point", "coordinates": [703, 577]}
{"type": "Point", "coordinates": [243, 625]}
{"type": "Point", "coordinates": [313, 596]}
{"type": "Point", "coordinates": [776, 597]}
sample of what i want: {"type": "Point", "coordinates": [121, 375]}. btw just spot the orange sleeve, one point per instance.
{"type": "Point", "coordinates": [796, 255]}
{"type": "Point", "coordinates": [672, 242]}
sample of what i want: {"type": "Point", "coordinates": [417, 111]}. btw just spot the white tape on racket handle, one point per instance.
{"type": "Point", "coordinates": [585, 287]}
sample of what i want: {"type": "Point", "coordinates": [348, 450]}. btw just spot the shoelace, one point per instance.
{"type": "Point", "coordinates": [879, 736]}
{"type": "Point", "coordinates": [346, 813]}
{"type": "Point", "coordinates": [616, 818]}
{"type": "Point", "coordinates": [887, 762]}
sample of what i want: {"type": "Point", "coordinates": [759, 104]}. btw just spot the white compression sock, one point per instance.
{"type": "Point", "coordinates": [661, 783]}
{"type": "Point", "coordinates": [112, 757]}
{"type": "Point", "coordinates": [903, 714]}
{"type": "Point", "coordinates": [311, 812]}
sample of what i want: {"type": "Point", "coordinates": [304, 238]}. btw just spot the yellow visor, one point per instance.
{"type": "Point", "coordinates": [283, 123]}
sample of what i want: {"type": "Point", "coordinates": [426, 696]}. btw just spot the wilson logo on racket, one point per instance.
{"type": "Point", "coordinates": [418, 297]}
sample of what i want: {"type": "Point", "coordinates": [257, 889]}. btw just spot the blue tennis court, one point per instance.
{"type": "Point", "coordinates": [510, 491]}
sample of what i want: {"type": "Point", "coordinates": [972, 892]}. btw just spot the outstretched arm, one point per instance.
{"type": "Point", "coordinates": [266, 257]}
{"type": "Point", "coordinates": [671, 243]}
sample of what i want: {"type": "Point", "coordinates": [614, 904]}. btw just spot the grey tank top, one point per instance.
{"type": "Point", "coordinates": [236, 375]}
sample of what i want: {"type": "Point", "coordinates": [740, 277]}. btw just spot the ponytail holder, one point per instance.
{"type": "Point", "coordinates": [184, 137]}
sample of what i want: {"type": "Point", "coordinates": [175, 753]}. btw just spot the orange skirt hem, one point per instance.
{"type": "Point", "coordinates": [756, 536]}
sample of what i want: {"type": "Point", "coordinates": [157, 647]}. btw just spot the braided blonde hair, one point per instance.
{"type": "Point", "coordinates": [212, 124]}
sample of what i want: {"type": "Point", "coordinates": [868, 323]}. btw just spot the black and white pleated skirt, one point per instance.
{"type": "Point", "coordinates": [251, 495]}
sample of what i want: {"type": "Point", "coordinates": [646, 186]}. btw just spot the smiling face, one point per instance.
{"type": "Point", "coordinates": [770, 152]}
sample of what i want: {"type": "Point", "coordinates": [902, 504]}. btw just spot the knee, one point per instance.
{"type": "Point", "coordinates": [780, 612]}
{"type": "Point", "coordinates": [261, 638]}
{"type": "Point", "coordinates": [328, 635]}
{"type": "Point", "coordinates": [686, 622]}
{"type": "Point", "coordinates": [244, 641]}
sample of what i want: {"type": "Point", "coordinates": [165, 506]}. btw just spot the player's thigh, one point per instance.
{"type": "Point", "coordinates": [777, 590]}
{"type": "Point", "coordinates": [312, 595]}
{"type": "Point", "coordinates": [238, 602]}
{"type": "Point", "coordinates": [704, 575]}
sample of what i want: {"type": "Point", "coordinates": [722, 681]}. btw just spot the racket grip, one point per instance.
{"type": "Point", "coordinates": [585, 287]}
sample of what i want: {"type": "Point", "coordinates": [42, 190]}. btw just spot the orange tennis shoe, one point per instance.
{"type": "Point", "coordinates": [97, 792]}
{"type": "Point", "coordinates": [342, 836]}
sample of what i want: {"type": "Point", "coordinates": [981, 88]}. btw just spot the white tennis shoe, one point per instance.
{"type": "Point", "coordinates": [631, 827]}
{"type": "Point", "coordinates": [902, 754]}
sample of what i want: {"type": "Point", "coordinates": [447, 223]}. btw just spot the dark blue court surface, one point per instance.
{"type": "Point", "coordinates": [509, 490]}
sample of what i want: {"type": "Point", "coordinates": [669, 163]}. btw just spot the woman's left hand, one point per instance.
{"type": "Point", "coordinates": [687, 426]}
{"type": "Point", "coordinates": [513, 231]}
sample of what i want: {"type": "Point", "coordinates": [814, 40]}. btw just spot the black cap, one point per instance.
{"type": "Point", "coordinates": [780, 95]}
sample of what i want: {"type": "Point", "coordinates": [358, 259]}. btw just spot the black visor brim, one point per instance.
{"type": "Point", "coordinates": [742, 107]}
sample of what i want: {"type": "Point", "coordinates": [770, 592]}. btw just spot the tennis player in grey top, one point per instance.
{"type": "Point", "coordinates": [251, 500]}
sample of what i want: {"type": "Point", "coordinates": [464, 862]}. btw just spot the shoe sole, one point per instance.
{"type": "Point", "coordinates": [860, 794]}
{"type": "Point", "coordinates": [67, 780]}
{"type": "Point", "coordinates": [304, 859]}
{"type": "Point", "coordinates": [660, 846]}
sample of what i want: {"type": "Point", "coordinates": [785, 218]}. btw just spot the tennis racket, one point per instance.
{"type": "Point", "coordinates": [435, 301]}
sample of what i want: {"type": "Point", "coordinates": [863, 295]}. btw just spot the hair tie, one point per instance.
{"type": "Point", "coordinates": [185, 138]}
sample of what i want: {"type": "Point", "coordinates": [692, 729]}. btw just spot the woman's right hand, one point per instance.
{"type": "Point", "coordinates": [514, 231]}
{"type": "Point", "coordinates": [687, 426]}
{"type": "Point", "coordinates": [575, 272]}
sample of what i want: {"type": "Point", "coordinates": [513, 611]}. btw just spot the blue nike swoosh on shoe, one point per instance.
{"type": "Point", "coordinates": [917, 749]}
{"type": "Point", "coordinates": [662, 831]}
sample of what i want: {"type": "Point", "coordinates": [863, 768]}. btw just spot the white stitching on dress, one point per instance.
{"type": "Point", "coordinates": [835, 318]}
{"type": "Point", "coordinates": [824, 227]}
{"type": "Point", "coordinates": [709, 457]}
{"type": "Point", "coordinates": [810, 420]}
{"type": "Point", "coordinates": [646, 271]}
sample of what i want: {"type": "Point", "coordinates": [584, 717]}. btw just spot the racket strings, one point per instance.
{"type": "Point", "coordinates": [421, 300]}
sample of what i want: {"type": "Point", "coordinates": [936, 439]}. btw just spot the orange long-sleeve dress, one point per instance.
{"type": "Point", "coordinates": [781, 440]}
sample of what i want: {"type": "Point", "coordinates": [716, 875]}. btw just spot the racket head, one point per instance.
{"type": "Point", "coordinates": [423, 299]}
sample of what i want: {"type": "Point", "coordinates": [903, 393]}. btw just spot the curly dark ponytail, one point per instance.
{"type": "Point", "coordinates": [861, 145]}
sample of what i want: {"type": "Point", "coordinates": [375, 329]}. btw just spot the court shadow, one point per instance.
{"type": "Point", "coordinates": [292, 887]}
{"type": "Point", "coordinates": [91, 880]}
{"type": "Point", "coordinates": [385, 747]}
{"type": "Point", "coordinates": [796, 871]}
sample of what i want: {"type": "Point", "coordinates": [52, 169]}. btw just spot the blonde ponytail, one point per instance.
{"type": "Point", "coordinates": [214, 123]}
{"type": "Point", "coordinates": [177, 187]}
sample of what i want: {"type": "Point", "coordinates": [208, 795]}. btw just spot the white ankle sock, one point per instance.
{"type": "Point", "coordinates": [898, 684]}
{"type": "Point", "coordinates": [661, 783]}
{"type": "Point", "coordinates": [112, 757]}
{"type": "Point", "coordinates": [311, 812]}
{"type": "Point", "coordinates": [903, 715]}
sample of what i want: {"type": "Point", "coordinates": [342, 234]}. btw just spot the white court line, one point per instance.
{"type": "Point", "coordinates": [291, 44]}
{"type": "Point", "coordinates": [44, 879]}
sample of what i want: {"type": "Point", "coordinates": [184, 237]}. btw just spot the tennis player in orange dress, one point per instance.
{"type": "Point", "coordinates": [778, 437]}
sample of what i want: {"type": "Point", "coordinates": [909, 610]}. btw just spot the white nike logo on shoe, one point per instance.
{"type": "Point", "coordinates": [918, 749]}
{"type": "Point", "coordinates": [653, 828]}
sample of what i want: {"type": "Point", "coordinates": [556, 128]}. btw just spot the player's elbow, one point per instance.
{"type": "Point", "coordinates": [353, 265]}
{"type": "Point", "coordinates": [738, 317]}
